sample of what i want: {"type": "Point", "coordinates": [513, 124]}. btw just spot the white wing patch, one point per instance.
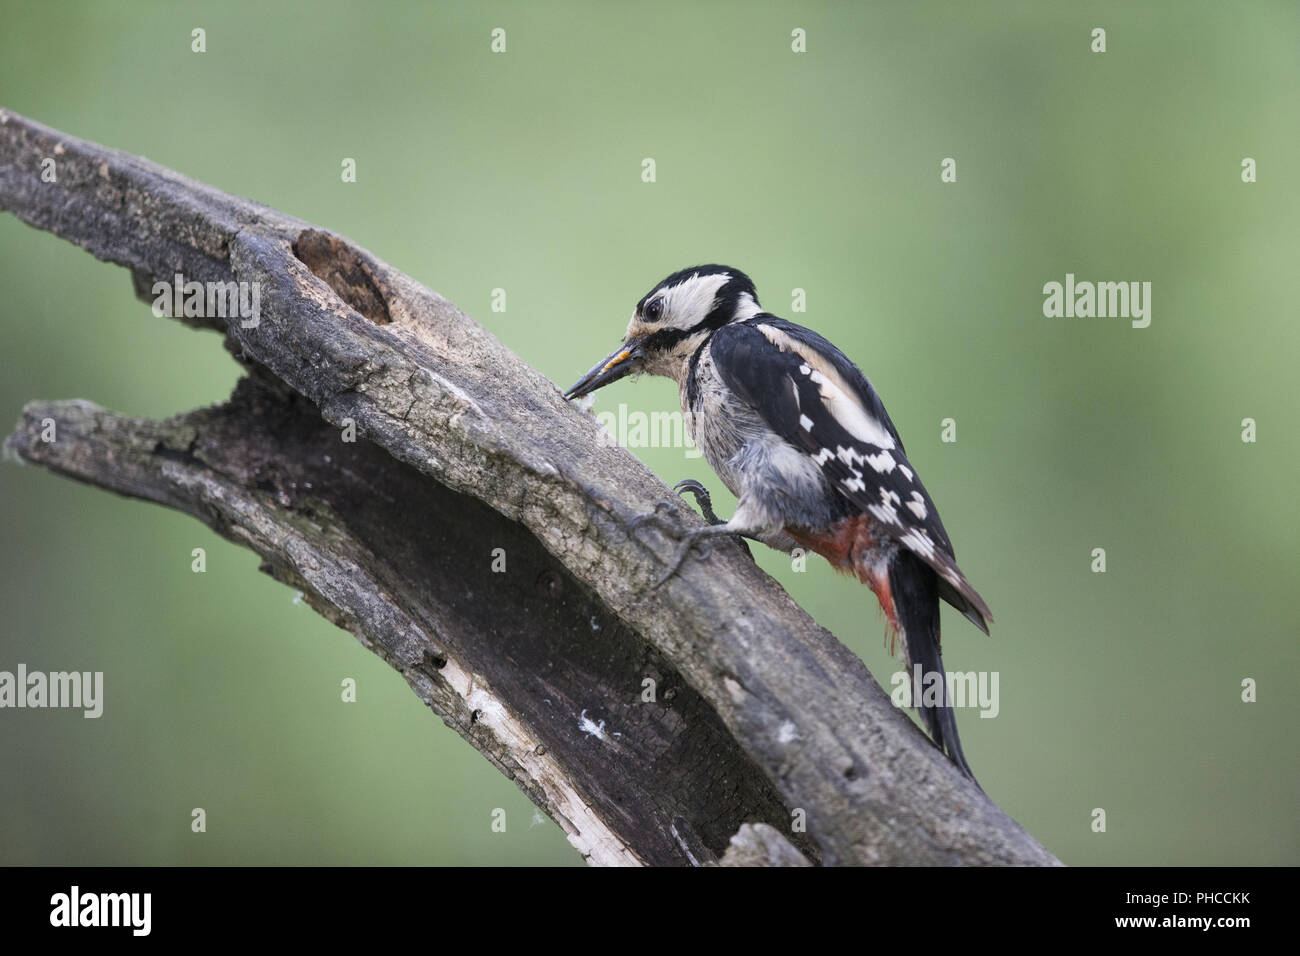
{"type": "Point", "coordinates": [885, 511]}
{"type": "Point", "coordinates": [836, 394]}
{"type": "Point", "coordinates": [883, 463]}
{"type": "Point", "coordinates": [806, 423]}
{"type": "Point", "coordinates": [918, 542]}
{"type": "Point", "coordinates": [917, 505]}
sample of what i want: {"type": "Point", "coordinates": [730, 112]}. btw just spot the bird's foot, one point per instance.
{"type": "Point", "coordinates": [691, 540]}
{"type": "Point", "coordinates": [663, 508]}
{"type": "Point", "coordinates": [705, 501]}
{"type": "Point", "coordinates": [702, 498]}
{"type": "Point", "coordinates": [659, 516]}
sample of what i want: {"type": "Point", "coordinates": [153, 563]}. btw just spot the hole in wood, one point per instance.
{"type": "Point", "coordinates": [343, 270]}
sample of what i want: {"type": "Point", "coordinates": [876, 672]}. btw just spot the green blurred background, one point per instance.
{"type": "Point", "coordinates": [818, 171]}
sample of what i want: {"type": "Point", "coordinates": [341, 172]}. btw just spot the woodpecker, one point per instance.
{"type": "Point", "coordinates": [799, 436]}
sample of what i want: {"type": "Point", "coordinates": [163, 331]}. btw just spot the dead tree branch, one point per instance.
{"type": "Point", "coordinates": [760, 715]}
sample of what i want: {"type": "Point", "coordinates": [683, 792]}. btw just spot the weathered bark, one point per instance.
{"type": "Point", "coordinates": [757, 844]}
{"type": "Point", "coordinates": [770, 717]}
{"type": "Point", "coordinates": [528, 665]}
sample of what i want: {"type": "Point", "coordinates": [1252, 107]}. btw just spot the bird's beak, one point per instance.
{"type": "Point", "coordinates": [624, 360]}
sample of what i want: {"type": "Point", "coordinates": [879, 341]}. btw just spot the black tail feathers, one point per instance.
{"type": "Point", "coordinates": [915, 589]}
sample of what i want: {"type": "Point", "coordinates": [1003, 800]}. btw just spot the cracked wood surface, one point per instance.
{"type": "Point", "coordinates": [527, 665]}
{"type": "Point", "coordinates": [793, 709]}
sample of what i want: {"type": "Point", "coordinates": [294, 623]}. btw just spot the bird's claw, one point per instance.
{"type": "Point", "coordinates": [693, 540]}
{"type": "Point", "coordinates": [705, 501]}
{"type": "Point", "coordinates": [658, 516]}
{"type": "Point", "coordinates": [702, 498]}
{"type": "Point", "coordinates": [663, 508]}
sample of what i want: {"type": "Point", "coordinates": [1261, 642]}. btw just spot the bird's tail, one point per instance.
{"type": "Point", "coordinates": [914, 588]}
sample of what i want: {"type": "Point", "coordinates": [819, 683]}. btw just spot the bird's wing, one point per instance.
{"type": "Point", "coordinates": [810, 394]}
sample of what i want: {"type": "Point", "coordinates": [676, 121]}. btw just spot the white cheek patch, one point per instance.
{"type": "Point", "coordinates": [688, 304]}
{"type": "Point", "coordinates": [746, 307]}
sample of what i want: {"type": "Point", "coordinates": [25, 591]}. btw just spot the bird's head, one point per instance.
{"type": "Point", "coordinates": [671, 321]}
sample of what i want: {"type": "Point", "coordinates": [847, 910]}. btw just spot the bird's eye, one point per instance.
{"type": "Point", "coordinates": [654, 310]}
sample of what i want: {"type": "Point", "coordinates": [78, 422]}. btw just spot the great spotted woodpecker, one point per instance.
{"type": "Point", "coordinates": [799, 436]}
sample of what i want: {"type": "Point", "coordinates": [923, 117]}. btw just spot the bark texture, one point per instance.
{"type": "Point", "coordinates": [759, 715]}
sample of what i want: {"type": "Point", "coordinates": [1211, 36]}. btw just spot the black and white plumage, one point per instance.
{"type": "Point", "coordinates": [796, 431]}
